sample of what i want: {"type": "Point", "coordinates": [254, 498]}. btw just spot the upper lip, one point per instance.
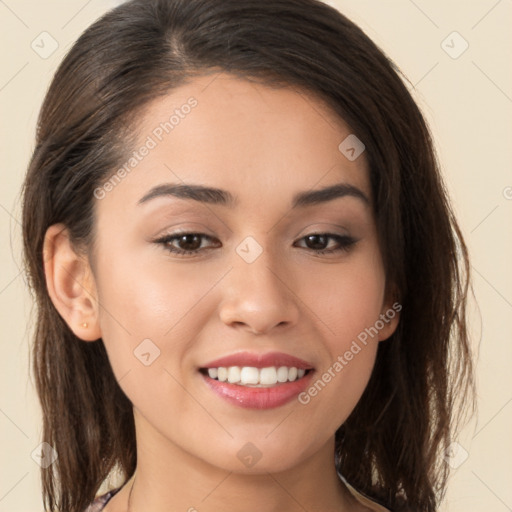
{"type": "Point", "coordinates": [259, 360]}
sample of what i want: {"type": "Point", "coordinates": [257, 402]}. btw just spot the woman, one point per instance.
{"type": "Point", "coordinates": [251, 287]}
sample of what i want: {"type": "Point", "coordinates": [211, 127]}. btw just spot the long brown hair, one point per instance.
{"type": "Point", "coordinates": [392, 445]}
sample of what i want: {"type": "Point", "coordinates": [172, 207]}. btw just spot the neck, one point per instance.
{"type": "Point", "coordinates": [179, 481]}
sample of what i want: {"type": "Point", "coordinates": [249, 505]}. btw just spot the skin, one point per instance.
{"type": "Point", "coordinates": [262, 145]}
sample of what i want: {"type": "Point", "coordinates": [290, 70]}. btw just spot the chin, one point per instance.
{"type": "Point", "coordinates": [258, 457]}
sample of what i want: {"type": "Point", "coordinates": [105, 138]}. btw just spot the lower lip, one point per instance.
{"type": "Point", "coordinates": [258, 398]}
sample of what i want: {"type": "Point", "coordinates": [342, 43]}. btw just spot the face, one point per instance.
{"type": "Point", "coordinates": [263, 277]}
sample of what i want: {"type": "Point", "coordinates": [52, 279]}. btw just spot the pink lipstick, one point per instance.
{"type": "Point", "coordinates": [257, 381]}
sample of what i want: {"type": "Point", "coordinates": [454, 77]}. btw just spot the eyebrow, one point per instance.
{"type": "Point", "coordinates": [217, 196]}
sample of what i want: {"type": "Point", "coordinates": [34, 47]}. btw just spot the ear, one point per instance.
{"type": "Point", "coordinates": [390, 317]}
{"type": "Point", "coordinates": [71, 284]}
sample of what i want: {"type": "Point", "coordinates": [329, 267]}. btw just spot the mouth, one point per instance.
{"type": "Point", "coordinates": [257, 381]}
{"type": "Point", "coordinates": [250, 376]}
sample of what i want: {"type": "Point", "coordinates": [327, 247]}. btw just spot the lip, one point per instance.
{"type": "Point", "coordinates": [258, 398]}
{"type": "Point", "coordinates": [259, 360]}
{"type": "Point", "coordinates": [254, 397]}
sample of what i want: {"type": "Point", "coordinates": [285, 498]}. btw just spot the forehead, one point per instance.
{"type": "Point", "coordinates": [242, 136]}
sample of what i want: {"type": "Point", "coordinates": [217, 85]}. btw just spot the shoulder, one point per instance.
{"type": "Point", "coordinates": [367, 503]}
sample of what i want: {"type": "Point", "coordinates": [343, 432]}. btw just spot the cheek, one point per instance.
{"type": "Point", "coordinates": [146, 326]}
{"type": "Point", "coordinates": [151, 309]}
{"type": "Point", "coordinates": [347, 298]}
{"type": "Point", "coordinates": [148, 300]}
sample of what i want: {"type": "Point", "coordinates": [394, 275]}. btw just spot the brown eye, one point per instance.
{"type": "Point", "coordinates": [319, 242]}
{"type": "Point", "coordinates": [187, 243]}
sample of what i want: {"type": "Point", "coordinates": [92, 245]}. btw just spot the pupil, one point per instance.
{"type": "Point", "coordinates": [191, 242]}
{"type": "Point", "coordinates": [316, 241]}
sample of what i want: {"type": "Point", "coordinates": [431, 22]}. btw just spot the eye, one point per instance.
{"type": "Point", "coordinates": [186, 243]}
{"type": "Point", "coordinates": [325, 243]}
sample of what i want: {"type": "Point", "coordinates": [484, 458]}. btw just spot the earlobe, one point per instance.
{"type": "Point", "coordinates": [390, 317]}
{"type": "Point", "coordinates": [70, 284]}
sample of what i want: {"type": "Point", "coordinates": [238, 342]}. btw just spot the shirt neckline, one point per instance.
{"type": "Point", "coordinates": [101, 501]}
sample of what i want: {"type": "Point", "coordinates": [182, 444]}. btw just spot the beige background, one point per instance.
{"type": "Point", "coordinates": [468, 102]}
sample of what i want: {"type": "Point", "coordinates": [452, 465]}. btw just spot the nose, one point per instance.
{"type": "Point", "coordinates": [258, 297]}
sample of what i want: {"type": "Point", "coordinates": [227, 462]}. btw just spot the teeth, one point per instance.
{"type": "Point", "coordinates": [268, 376]}
{"type": "Point", "coordinates": [261, 377]}
{"type": "Point", "coordinates": [249, 375]}
{"type": "Point", "coordinates": [282, 374]}
{"type": "Point", "coordinates": [222, 374]}
{"type": "Point", "coordinates": [234, 374]}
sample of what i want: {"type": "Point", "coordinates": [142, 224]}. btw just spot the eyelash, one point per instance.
{"type": "Point", "coordinates": [345, 243]}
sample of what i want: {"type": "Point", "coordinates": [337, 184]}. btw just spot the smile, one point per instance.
{"type": "Point", "coordinates": [257, 381]}
{"type": "Point", "coordinates": [256, 377]}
